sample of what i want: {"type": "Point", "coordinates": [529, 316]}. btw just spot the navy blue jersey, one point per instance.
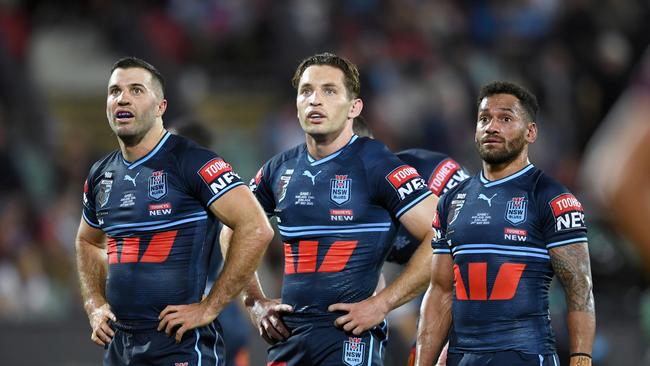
{"type": "Point", "coordinates": [336, 216]}
{"type": "Point", "coordinates": [160, 230]}
{"type": "Point", "coordinates": [442, 174]}
{"type": "Point", "coordinates": [499, 234]}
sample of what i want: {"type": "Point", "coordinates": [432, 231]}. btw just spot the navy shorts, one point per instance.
{"type": "Point", "coordinates": [510, 358]}
{"type": "Point", "coordinates": [135, 346]}
{"type": "Point", "coordinates": [323, 344]}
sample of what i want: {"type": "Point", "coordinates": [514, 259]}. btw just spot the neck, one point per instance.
{"type": "Point", "coordinates": [498, 171]}
{"type": "Point", "coordinates": [320, 146]}
{"type": "Point", "coordinates": [132, 153]}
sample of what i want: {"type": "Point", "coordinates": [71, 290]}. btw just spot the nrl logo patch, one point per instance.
{"type": "Point", "coordinates": [516, 210]}
{"type": "Point", "coordinates": [353, 351]}
{"type": "Point", "coordinates": [284, 182]}
{"type": "Point", "coordinates": [340, 189]}
{"type": "Point", "coordinates": [105, 186]}
{"type": "Point", "coordinates": [158, 185]}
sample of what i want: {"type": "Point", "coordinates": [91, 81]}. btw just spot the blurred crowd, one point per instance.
{"type": "Point", "coordinates": [228, 65]}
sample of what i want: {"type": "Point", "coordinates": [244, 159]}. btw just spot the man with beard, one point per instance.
{"type": "Point", "coordinates": [502, 235]}
{"type": "Point", "coordinates": [149, 222]}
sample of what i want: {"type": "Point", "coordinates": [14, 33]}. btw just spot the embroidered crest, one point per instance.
{"type": "Point", "coordinates": [105, 186]}
{"type": "Point", "coordinates": [284, 182]}
{"type": "Point", "coordinates": [158, 185]}
{"type": "Point", "coordinates": [516, 210]}
{"type": "Point", "coordinates": [340, 189]}
{"type": "Point", "coordinates": [353, 351]}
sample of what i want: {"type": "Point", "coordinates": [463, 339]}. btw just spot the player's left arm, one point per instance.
{"type": "Point", "coordinates": [572, 267]}
{"type": "Point", "coordinates": [412, 281]}
{"type": "Point", "coordinates": [239, 210]}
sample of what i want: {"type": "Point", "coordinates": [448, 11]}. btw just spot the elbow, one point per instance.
{"type": "Point", "coordinates": [262, 232]}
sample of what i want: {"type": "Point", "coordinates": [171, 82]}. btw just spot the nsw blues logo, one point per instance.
{"type": "Point", "coordinates": [158, 185]}
{"type": "Point", "coordinates": [105, 187]}
{"type": "Point", "coordinates": [340, 189]}
{"type": "Point", "coordinates": [353, 351]}
{"type": "Point", "coordinates": [516, 210]}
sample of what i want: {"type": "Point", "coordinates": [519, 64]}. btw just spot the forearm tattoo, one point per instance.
{"type": "Point", "coordinates": [571, 265]}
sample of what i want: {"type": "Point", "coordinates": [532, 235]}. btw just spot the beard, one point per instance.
{"type": "Point", "coordinates": [507, 154]}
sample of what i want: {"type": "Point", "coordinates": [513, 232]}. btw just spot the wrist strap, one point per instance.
{"type": "Point", "coordinates": [579, 354]}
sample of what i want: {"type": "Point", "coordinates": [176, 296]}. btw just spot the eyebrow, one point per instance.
{"type": "Point", "coordinates": [326, 85]}
{"type": "Point", "coordinates": [500, 109]}
{"type": "Point", "coordinates": [129, 85]}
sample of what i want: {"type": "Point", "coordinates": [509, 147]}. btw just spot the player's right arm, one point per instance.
{"type": "Point", "coordinates": [265, 313]}
{"type": "Point", "coordinates": [435, 312]}
{"type": "Point", "coordinates": [251, 235]}
{"type": "Point", "coordinates": [92, 266]}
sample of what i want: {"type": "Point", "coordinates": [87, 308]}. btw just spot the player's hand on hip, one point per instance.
{"type": "Point", "coordinates": [102, 331]}
{"type": "Point", "coordinates": [267, 315]}
{"type": "Point", "coordinates": [178, 319]}
{"type": "Point", "coordinates": [360, 316]}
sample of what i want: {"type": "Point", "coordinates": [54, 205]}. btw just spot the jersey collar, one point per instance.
{"type": "Point", "coordinates": [314, 162]}
{"type": "Point", "coordinates": [151, 153]}
{"type": "Point", "coordinates": [489, 183]}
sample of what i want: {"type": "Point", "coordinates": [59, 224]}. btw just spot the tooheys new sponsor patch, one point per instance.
{"type": "Point", "coordinates": [568, 212]}
{"type": "Point", "coordinates": [405, 180]}
{"type": "Point", "coordinates": [217, 174]}
{"type": "Point", "coordinates": [442, 175]}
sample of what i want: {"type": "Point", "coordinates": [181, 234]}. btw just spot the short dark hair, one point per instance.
{"type": "Point", "coordinates": [527, 99]}
{"type": "Point", "coordinates": [350, 71]}
{"type": "Point", "coordinates": [130, 62]}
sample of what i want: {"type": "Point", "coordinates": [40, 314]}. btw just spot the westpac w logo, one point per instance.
{"type": "Point", "coordinates": [353, 351]}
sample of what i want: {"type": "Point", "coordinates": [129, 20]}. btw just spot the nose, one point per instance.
{"type": "Point", "coordinates": [122, 99]}
{"type": "Point", "coordinates": [314, 98]}
{"type": "Point", "coordinates": [492, 126]}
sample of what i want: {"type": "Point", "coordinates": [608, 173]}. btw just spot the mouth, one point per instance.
{"type": "Point", "coordinates": [316, 117]}
{"type": "Point", "coordinates": [492, 140]}
{"type": "Point", "coordinates": [124, 116]}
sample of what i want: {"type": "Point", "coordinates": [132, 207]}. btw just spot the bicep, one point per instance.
{"type": "Point", "coordinates": [442, 272]}
{"type": "Point", "coordinates": [238, 206]}
{"type": "Point", "coordinates": [571, 265]}
{"type": "Point", "coordinates": [90, 235]}
{"type": "Point", "coordinates": [418, 219]}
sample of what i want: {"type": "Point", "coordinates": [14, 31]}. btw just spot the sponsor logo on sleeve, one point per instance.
{"type": "Point", "coordinates": [568, 212]}
{"type": "Point", "coordinates": [217, 174]}
{"type": "Point", "coordinates": [437, 230]}
{"type": "Point", "coordinates": [510, 233]}
{"type": "Point", "coordinates": [340, 189]}
{"type": "Point", "coordinates": [405, 180]}
{"type": "Point", "coordinates": [157, 185]}
{"type": "Point", "coordinates": [353, 351]}
{"type": "Point", "coordinates": [85, 196]}
{"type": "Point", "coordinates": [516, 210]}
{"type": "Point", "coordinates": [255, 182]}
{"type": "Point", "coordinates": [446, 176]}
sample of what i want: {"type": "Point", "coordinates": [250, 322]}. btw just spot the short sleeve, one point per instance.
{"type": "Point", "coordinates": [564, 219]}
{"type": "Point", "coordinates": [208, 175]}
{"type": "Point", "coordinates": [439, 244]}
{"type": "Point", "coordinates": [447, 175]}
{"type": "Point", "coordinates": [398, 186]}
{"type": "Point", "coordinates": [88, 213]}
{"type": "Point", "coordinates": [261, 188]}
